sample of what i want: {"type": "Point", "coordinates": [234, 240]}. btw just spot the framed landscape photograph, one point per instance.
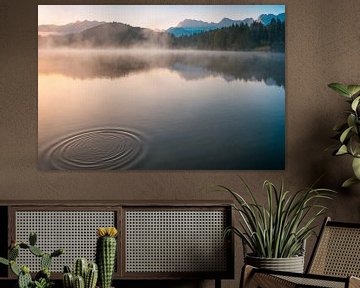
{"type": "Point", "coordinates": [161, 87]}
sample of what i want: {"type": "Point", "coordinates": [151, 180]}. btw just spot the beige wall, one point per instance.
{"type": "Point", "coordinates": [322, 46]}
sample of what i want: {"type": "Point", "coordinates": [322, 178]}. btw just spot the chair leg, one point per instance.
{"type": "Point", "coordinates": [217, 283]}
{"type": "Point", "coordinates": [246, 274]}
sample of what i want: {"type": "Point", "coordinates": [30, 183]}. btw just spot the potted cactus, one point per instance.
{"type": "Point", "coordinates": [42, 278]}
{"type": "Point", "coordinates": [106, 254]}
{"type": "Point", "coordinates": [84, 275]}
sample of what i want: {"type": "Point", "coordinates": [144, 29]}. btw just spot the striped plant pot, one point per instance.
{"type": "Point", "coordinates": [291, 264]}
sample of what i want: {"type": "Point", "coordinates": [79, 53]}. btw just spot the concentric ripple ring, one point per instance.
{"type": "Point", "coordinates": [96, 149]}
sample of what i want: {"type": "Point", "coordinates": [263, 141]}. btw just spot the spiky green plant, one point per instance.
{"type": "Point", "coordinates": [279, 229]}
{"type": "Point", "coordinates": [87, 272]}
{"type": "Point", "coordinates": [348, 132]}
{"type": "Point", "coordinates": [42, 278]}
{"type": "Point", "coordinates": [106, 254]}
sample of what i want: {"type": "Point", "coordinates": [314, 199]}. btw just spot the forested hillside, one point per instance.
{"type": "Point", "coordinates": [256, 36]}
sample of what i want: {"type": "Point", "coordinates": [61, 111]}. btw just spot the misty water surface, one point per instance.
{"type": "Point", "coordinates": [161, 109]}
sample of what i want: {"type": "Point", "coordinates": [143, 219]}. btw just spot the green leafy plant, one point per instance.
{"type": "Point", "coordinates": [42, 278]}
{"type": "Point", "coordinates": [279, 229]}
{"type": "Point", "coordinates": [43, 283]}
{"type": "Point", "coordinates": [348, 132]}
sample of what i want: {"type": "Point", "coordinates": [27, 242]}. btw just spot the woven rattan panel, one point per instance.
{"type": "Point", "coordinates": [75, 231]}
{"type": "Point", "coordinates": [311, 282]}
{"type": "Point", "coordinates": [338, 253]}
{"type": "Point", "coordinates": [175, 241]}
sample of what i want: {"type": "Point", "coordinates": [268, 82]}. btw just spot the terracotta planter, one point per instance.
{"type": "Point", "coordinates": [291, 264]}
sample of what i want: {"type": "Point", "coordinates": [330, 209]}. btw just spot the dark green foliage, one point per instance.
{"type": "Point", "coordinates": [42, 283]}
{"type": "Point", "coordinates": [105, 258]}
{"type": "Point", "coordinates": [237, 37]}
{"type": "Point", "coordinates": [348, 132]}
{"type": "Point", "coordinates": [24, 246]}
{"type": "Point", "coordinates": [44, 273]}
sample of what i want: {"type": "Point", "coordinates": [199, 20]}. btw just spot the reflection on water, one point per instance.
{"type": "Point", "coordinates": [156, 109]}
{"type": "Point", "coordinates": [190, 65]}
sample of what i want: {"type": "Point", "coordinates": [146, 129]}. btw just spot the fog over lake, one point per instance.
{"type": "Point", "coordinates": [161, 109]}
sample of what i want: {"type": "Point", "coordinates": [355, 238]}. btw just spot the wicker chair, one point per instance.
{"type": "Point", "coordinates": [335, 262]}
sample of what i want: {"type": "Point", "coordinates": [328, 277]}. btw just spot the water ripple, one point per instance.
{"type": "Point", "coordinates": [96, 149]}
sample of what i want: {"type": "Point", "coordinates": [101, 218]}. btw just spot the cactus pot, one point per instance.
{"type": "Point", "coordinates": [291, 264]}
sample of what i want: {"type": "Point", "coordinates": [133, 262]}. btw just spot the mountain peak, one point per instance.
{"type": "Point", "coordinates": [74, 27]}
{"type": "Point", "coordinates": [192, 23]}
{"type": "Point", "coordinates": [267, 18]}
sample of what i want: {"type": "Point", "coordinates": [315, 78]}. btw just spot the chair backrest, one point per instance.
{"type": "Point", "coordinates": [337, 251]}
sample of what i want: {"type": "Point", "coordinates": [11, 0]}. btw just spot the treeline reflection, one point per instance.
{"type": "Point", "coordinates": [189, 65]}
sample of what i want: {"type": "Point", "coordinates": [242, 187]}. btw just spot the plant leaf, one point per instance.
{"type": "Point", "coordinates": [355, 103]}
{"type": "Point", "coordinates": [356, 167]}
{"type": "Point", "coordinates": [340, 88]}
{"type": "Point", "coordinates": [353, 89]}
{"type": "Point", "coordinates": [345, 134]}
{"type": "Point", "coordinates": [4, 261]}
{"type": "Point", "coordinates": [351, 120]}
{"type": "Point", "coordinates": [342, 150]}
{"type": "Point", "coordinates": [349, 182]}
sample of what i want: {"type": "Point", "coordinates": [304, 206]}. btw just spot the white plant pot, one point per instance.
{"type": "Point", "coordinates": [291, 264]}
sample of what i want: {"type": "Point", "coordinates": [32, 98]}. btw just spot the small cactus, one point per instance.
{"type": "Point", "coordinates": [45, 261]}
{"type": "Point", "coordinates": [80, 268]}
{"type": "Point", "coordinates": [14, 268]}
{"type": "Point", "coordinates": [57, 252]}
{"type": "Point", "coordinates": [68, 280]}
{"type": "Point", "coordinates": [106, 254]}
{"type": "Point", "coordinates": [67, 269]}
{"type": "Point", "coordinates": [79, 282]}
{"type": "Point", "coordinates": [13, 253]}
{"type": "Point", "coordinates": [36, 251]}
{"type": "Point", "coordinates": [91, 276]}
{"type": "Point", "coordinates": [89, 272]}
{"type": "Point", "coordinates": [24, 278]}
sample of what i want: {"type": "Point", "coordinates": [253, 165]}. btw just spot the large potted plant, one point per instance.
{"type": "Point", "coordinates": [275, 233]}
{"type": "Point", "coordinates": [348, 132]}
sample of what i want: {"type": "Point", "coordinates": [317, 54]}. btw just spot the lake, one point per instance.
{"type": "Point", "coordinates": [161, 109]}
